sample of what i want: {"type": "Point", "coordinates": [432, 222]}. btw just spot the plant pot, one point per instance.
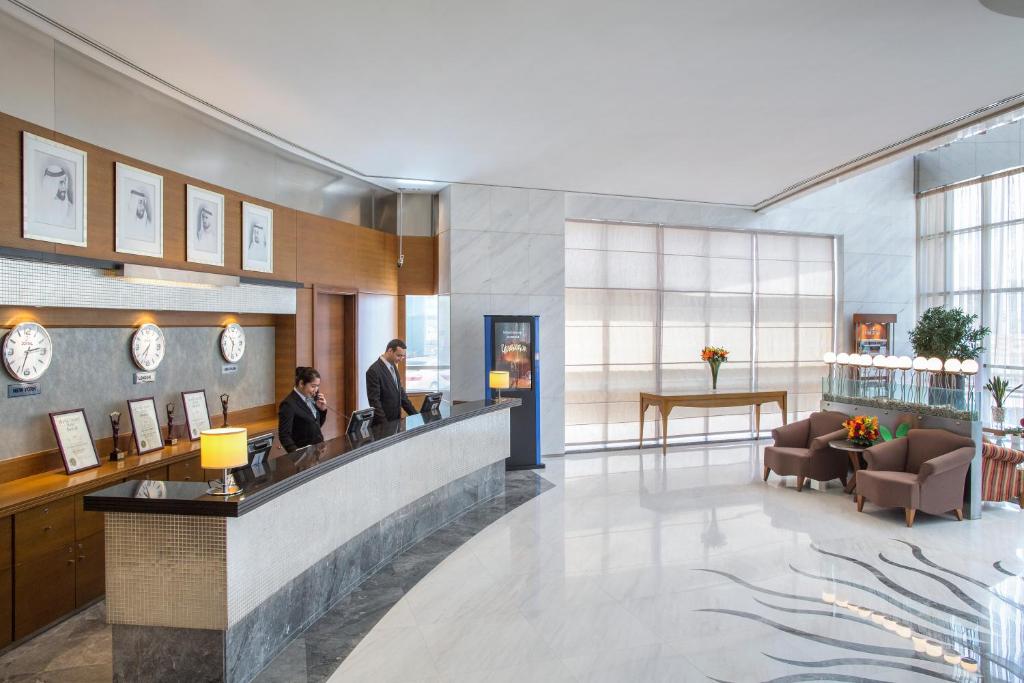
{"type": "Point", "coordinates": [998, 414]}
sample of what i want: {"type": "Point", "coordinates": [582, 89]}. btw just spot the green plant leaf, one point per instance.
{"type": "Point", "coordinates": [886, 434]}
{"type": "Point", "coordinates": [902, 430]}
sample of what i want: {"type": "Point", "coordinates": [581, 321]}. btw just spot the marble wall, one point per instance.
{"type": "Point", "coordinates": [995, 150]}
{"type": "Point", "coordinates": [501, 250]}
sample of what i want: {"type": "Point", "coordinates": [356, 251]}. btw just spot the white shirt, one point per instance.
{"type": "Point", "coordinates": [308, 401]}
{"type": "Point", "coordinates": [391, 369]}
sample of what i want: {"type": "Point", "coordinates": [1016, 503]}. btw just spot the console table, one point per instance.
{"type": "Point", "coordinates": [713, 399]}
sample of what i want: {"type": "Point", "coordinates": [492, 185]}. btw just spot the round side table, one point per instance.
{"type": "Point", "coordinates": [855, 451]}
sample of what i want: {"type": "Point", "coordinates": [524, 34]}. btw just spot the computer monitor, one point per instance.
{"type": "Point", "coordinates": [431, 404]}
{"type": "Point", "coordinates": [359, 423]}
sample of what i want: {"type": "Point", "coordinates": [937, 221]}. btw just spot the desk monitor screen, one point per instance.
{"type": "Point", "coordinates": [259, 449]}
{"type": "Point", "coordinates": [359, 423]}
{"type": "Point", "coordinates": [431, 404]}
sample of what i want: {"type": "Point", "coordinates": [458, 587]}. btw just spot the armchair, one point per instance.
{"type": "Point", "coordinates": [801, 449]}
{"type": "Point", "coordinates": [925, 471]}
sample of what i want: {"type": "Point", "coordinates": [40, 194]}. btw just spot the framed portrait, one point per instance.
{"type": "Point", "coordinates": [204, 223]}
{"type": "Point", "coordinates": [53, 191]}
{"type": "Point", "coordinates": [139, 218]}
{"type": "Point", "coordinates": [197, 415]}
{"type": "Point", "coordinates": [145, 425]}
{"type": "Point", "coordinates": [77, 449]}
{"type": "Point", "coordinates": [257, 238]}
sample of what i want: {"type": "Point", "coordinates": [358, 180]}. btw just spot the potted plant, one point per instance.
{"type": "Point", "coordinates": [946, 333]}
{"type": "Point", "coordinates": [1000, 390]}
{"type": "Point", "coordinates": [715, 356]}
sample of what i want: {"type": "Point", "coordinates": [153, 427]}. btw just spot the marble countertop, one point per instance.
{"type": "Point", "coordinates": [280, 473]}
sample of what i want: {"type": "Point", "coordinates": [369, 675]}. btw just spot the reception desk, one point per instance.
{"type": "Point", "coordinates": [203, 587]}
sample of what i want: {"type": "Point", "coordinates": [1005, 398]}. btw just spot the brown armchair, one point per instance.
{"type": "Point", "coordinates": [801, 449]}
{"type": "Point", "coordinates": [925, 471]}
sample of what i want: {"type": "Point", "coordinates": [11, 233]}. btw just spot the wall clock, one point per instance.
{"type": "Point", "coordinates": [27, 351]}
{"type": "Point", "coordinates": [148, 347]}
{"type": "Point", "coordinates": [232, 343]}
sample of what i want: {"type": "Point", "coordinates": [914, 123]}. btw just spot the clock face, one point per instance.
{"type": "Point", "coordinates": [27, 351]}
{"type": "Point", "coordinates": [148, 347]}
{"type": "Point", "coordinates": [232, 343]}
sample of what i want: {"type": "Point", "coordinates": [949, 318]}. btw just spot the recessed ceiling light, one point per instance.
{"type": "Point", "coordinates": [1010, 8]}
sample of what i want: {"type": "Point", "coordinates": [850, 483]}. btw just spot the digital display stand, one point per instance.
{"type": "Point", "coordinates": [511, 344]}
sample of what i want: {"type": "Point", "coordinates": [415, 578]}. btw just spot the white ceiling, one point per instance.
{"type": "Point", "coordinates": [724, 101]}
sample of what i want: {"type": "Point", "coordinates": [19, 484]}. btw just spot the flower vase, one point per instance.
{"type": "Point", "coordinates": [714, 373]}
{"type": "Point", "coordinates": [998, 414]}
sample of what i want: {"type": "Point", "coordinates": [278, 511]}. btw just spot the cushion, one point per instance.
{"type": "Point", "coordinates": [783, 460]}
{"type": "Point", "coordinates": [926, 444]}
{"type": "Point", "coordinates": [888, 488]}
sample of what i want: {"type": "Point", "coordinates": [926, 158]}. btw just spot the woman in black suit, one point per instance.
{"type": "Point", "coordinates": [302, 412]}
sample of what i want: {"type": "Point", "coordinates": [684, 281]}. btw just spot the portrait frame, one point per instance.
{"type": "Point", "coordinates": [139, 424]}
{"type": "Point", "coordinates": [70, 444]}
{"type": "Point", "coordinates": [130, 183]}
{"type": "Point", "coordinates": [256, 215]}
{"type": "Point", "coordinates": [61, 218]}
{"type": "Point", "coordinates": [194, 420]}
{"type": "Point", "coordinates": [204, 245]}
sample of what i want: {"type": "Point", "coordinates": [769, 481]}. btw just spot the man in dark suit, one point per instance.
{"type": "Point", "coordinates": [384, 389]}
{"type": "Point", "coordinates": [302, 412]}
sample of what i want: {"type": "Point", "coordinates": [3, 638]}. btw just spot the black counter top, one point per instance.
{"type": "Point", "coordinates": [281, 473]}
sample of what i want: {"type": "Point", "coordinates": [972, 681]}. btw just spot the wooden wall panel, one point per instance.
{"type": "Point", "coordinates": [109, 317]}
{"type": "Point", "coordinates": [10, 182]}
{"type": "Point", "coordinates": [338, 254]}
{"type": "Point", "coordinates": [419, 274]}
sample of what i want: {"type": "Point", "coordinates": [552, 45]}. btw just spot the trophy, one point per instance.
{"type": "Point", "coordinates": [115, 427]}
{"type": "Point", "coordinates": [171, 440]}
{"type": "Point", "coordinates": [224, 407]}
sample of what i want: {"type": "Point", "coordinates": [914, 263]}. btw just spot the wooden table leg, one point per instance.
{"type": "Point", "coordinates": [785, 410]}
{"type": "Point", "coordinates": [664, 431]}
{"type": "Point", "coordinates": [757, 420]}
{"type": "Point", "coordinates": [642, 411]}
{"type": "Point", "coordinates": [855, 462]}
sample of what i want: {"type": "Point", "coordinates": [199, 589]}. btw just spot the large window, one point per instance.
{"type": "Point", "coordinates": [641, 301]}
{"type": "Point", "coordinates": [970, 242]}
{"type": "Point", "coordinates": [422, 371]}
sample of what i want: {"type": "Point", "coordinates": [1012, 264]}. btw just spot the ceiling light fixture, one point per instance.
{"type": "Point", "coordinates": [1010, 8]}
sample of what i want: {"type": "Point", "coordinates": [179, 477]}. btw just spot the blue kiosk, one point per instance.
{"type": "Point", "coordinates": [511, 344]}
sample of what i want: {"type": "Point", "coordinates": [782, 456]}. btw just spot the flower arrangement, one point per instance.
{"type": "Point", "coordinates": [862, 430]}
{"type": "Point", "coordinates": [714, 356]}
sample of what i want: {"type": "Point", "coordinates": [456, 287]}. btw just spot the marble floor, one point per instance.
{"type": "Point", "coordinates": [690, 568]}
{"type": "Point", "coordinates": [639, 568]}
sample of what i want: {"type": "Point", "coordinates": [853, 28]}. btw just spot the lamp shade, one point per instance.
{"type": "Point", "coordinates": [969, 367]}
{"type": "Point", "coordinates": [905, 363]}
{"type": "Point", "coordinates": [864, 360]}
{"type": "Point", "coordinates": [843, 358]}
{"type": "Point", "coordinates": [934, 365]}
{"type": "Point", "coordinates": [892, 362]}
{"type": "Point", "coordinates": [920, 363]}
{"type": "Point", "coordinates": [854, 359]}
{"type": "Point", "coordinates": [498, 379]}
{"type": "Point", "coordinates": [878, 361]}
{"type": "Point", "coordinates": [829, 357]}
{"type": "Point", "coordinates": [952, 365]}
{"type": "Point", "coordinates": [224, 448]}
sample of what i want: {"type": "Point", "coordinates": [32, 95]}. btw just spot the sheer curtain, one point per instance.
{"type": "Point", "coordinates": [970, 241]}
{"type": "Point", "coordinates": [641, 301]}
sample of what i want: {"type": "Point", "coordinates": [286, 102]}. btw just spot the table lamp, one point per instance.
{"type": "Point", "coordinates": [498, 380]}
{"type": "Point", "coordinates": [222, 449]}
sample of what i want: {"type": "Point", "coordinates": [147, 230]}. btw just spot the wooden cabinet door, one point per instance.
{"type": "Point", "coordinates": [6, 543]}
{"type": "Point", "coordinates": [186, 470]}
{"type": "Point", "coordinates": [86, 523]}
{"type": "Point", "coordinates": [89, 579]}
{"type": "Point", "coordinates": [6, 605]}
{"type": "Point", "coordinates": [44, 529]}
{"type": "Point", "coordinates": [44, 589]}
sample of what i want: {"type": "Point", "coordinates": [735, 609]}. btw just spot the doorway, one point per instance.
{"type": "Point", "coordinates": [334, 347]}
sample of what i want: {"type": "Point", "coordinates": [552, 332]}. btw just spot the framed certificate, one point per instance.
{"type": "Point", "coordinates": [145, 425]}
{"type": "Point", "coordinates": [197, 416]}
{"type": "Point", "coordinates": [74, 440]}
